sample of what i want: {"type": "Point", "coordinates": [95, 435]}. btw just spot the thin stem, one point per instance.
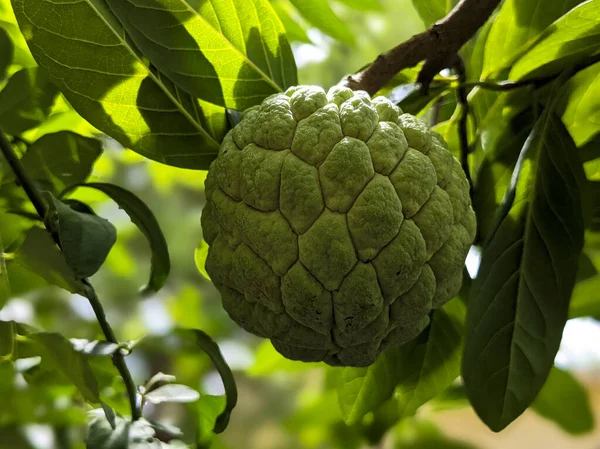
{"type": "Point", "coordinates": [463, 121]}
{"type": "Point", "coordinates": [15, 164]}
{"type": "Point", "coordinates": [88, 290]}
{"type": "Point", "coordinates": [118, 357]}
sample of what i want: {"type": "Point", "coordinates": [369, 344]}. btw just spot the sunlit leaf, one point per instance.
{"type": "Point", "coordinates": [268, 361]}
{"type": "Point", "coordinates": [363, 5]}
{"type": "Point", "coordinates": [26, 100]}
{"type": "Point", "coordinates": [579, 104]}
{"type": "Point", "coordinates": [295, 31]}
{"type": "Point", "coordinates": [516, 28]}
{"type": "Point", "coordinates": [232, 53]}
{"type": "Point", "coordinates": [431, 11]}
{"type": "Point", "coordinates": [564, 400]}
{"type": "Point", "coordinates": [95, 347]}
{"type": "Point", "coordinates": [112, 86]}
{"type": "Point", "coordinates": [319, 14]}
{"type": "Point", "coordinates": [7, 50]}
{"type": "Point", "coordinates": [520, 299]}
{"type": "Point", "coordinates": [200, 256]}
{"type": "Point", "coordinates": [567, 41]}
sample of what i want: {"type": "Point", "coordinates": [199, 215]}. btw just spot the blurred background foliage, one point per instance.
{"type": "Point", "coordinates": [282, 404]}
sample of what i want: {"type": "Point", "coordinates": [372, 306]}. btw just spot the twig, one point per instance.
{"type": "Point", "coordinates": [436, 46]}
{"type": "Point", "coordinates": [87, 290]}
{"type": "Point", "coordinates": [463, 120]}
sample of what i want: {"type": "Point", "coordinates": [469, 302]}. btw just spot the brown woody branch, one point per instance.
{"type": "Point", "coordinates": [437, 46]}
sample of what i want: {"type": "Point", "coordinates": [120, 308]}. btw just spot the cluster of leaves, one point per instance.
{"type": "Point", "coordinates": [165, 79]}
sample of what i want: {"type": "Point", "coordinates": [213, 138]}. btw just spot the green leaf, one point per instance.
{"type": "Point", "coordinates": [475, 62]}
{"type": "Point", "coordinates": [209, 408]}
{"type": "Point", "coordinates": [207, 344]}
{"type": "Point", "coordinates": [85, 239]}
{"type": "Point", "coordinates": [431, 11]}
{"type": "Point", "coordinates": [516, 28]}
{"type": "Point", "coordinates": [7, 340]}
{"type": "Point", "coordinates": [7, 50]}
{"type": "Point", "coordinates": [564, 400]}
{"type": "Point", "coordinates": [520, 299]}
{"type": "Point", "coordinates": [60, 160]}
{"type": "Point", "coordinates": [503, 136]}
{"type": "Point", "coordinates": [26, 100]}
{"type": "Point", "coordinates": [363, 5]}
{"type": "Point", "coordinates": [566, 42]}
{"type": "Point", "coordinates": [232, 53]}
{"type": "Point", "coordinates": [410, 99]}
{"type": "Point", "coordinates": [268, 361]}
{"type": "Point", "coordinates": [295, 31]}
{"type": "Point", "coordinates": [362, 390]}
{"type": "Point", "coordinates": [319, 14]}
{"type": "Point", "coordinates": [585, 299]}
{"type": "Point", "coordinates": [104, 78]}
{"type": "Point", "coordinates": [579, 104]}
{"type": "Point", "coordinates": [40, 256]}
{"type": "Point", "coordinates": [200, 255]}
{"type": "Point", "coordinates": [172, 393]}
{"type": "Point", "coordinates": [418, 370]}
{"type": "Point", "coordinates": [144, 219]}
{"type": "Point", "coordinates": [439, 359]}
{"type": "Point", "coordinates": [59, 351]}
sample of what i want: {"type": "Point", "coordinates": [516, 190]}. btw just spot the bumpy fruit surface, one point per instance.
{"type": "Point", "coordinates": [336, 224]}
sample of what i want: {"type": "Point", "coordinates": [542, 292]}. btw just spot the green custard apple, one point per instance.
{"type": "Point", "coordinates": [336, 224]}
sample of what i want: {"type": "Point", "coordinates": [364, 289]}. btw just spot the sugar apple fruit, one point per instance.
{"type": "Point", "coordinates": [336, 224]}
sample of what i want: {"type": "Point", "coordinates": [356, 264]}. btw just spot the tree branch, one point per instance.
{"type": "Point", "coordinates": [437, 46]}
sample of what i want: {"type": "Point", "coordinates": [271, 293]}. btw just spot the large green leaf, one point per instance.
{"type": "Point", "coordinates": [516, 28]}
{"type": "Point", "coordinates": [579, 104]}
{"type": "Point", "coordinates": [26, 100]}
{"type": "Point", "coordinates": [100, 72]}
{"type": "Point", "coordinates": [567, 41]}
{"type": "Point", "coordinates": [232, 53]}
{"type": "Point", "coordinates": [418, 370]}
{"type": "Point", "coordinates": [319, 14]}
{"type": "Point", "coordinates": [564, 400]}
{"type": "Point", "coordinates": [520, 299]}
{"type": "Point", "coordinates": [431, 11]}
{"type": "Point", "coordinates": [144, 219]}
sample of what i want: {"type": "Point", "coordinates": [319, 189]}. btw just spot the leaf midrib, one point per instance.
{"type": "Point", "coordinates": [151, 74]}
{"type": "Point", "coordinates": [526, 235]}
{"type": "Point", "coordinates": [235, 49]}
